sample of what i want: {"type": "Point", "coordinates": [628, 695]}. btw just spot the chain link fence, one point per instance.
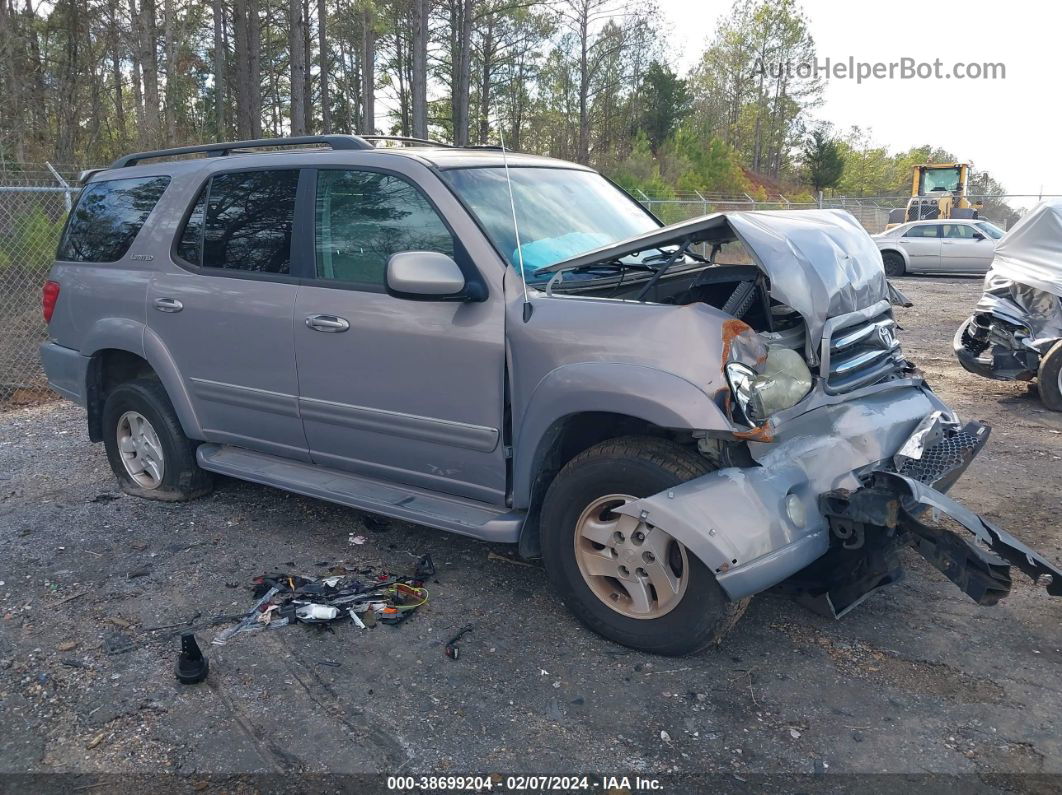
{"type": "Point", "coordinates": [34, 201]}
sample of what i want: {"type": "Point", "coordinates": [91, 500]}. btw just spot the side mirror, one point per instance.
{"type": "Point", "coordinates": [425, 276]}
{"type": "Point", "coordinates": [978, 236]}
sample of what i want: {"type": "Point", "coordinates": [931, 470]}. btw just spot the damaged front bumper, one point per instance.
{"type": "Point", "coordinates": [835, 496]}
{"type": "Point", "coordinates": [890, 511]}
{"type": "Point", "coordinates": [1012, 356]}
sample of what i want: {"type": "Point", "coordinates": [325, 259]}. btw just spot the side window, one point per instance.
{"type": "Point", "coordinates": [364, 217]}
{"type": "Point", "coordinates": [961, 231]}
{"type": "Point", "coordinates": [108, 217]}
{"type": "Point", "coordinates": [242, 221]}
{"type": "Point", "coordinates": [992, 231]}
{"type": "Point", "coordinates": [925, 230]}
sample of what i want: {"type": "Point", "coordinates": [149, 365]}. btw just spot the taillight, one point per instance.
{"type": "Point", "coordinates": [49, 297]}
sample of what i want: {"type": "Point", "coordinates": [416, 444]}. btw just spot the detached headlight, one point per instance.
{"type": "Point", "coordinates": [784, 382]}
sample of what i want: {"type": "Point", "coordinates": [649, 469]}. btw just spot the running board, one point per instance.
{"type": "Point", "coordinates": [411, 504]}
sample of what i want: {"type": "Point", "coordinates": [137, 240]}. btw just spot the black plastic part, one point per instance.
{"type": "Point", "coordinates": [425, 568]}
{"type": "Point", "coordinates": [890, 504]}
{"type": "Point", "coordinates": [980, 573]}
{"type": "Point", "coordinates": [405, 139]}
{"type": "Point", "coordinates": [224, 148]}
{"type": "Point", "coordinates": [451, 649]}
{"type": "Point", "coordinates": [848, 573]}
{"type": "Point", "coordinates": [192, 666]}
{"type": "Point", "coordinates": [739, 290]}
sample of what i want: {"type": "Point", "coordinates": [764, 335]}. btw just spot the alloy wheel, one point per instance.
{"type": "Point", "coordinates": [140, 450]}
{"type": "Point", "coordinates": [636, 569]}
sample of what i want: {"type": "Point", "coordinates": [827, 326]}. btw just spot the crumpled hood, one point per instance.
{"type": "Point", "coordinates": [822, 263]}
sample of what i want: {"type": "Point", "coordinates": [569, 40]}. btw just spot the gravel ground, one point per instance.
{"type": "Point", "coordinates": [95, 586]}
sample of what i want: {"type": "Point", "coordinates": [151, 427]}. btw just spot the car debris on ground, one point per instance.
{"type": "Point", "coordinates": [361, 596]}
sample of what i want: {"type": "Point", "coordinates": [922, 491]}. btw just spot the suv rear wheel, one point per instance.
{"type": "Point", "coordinates": [626, 580]}
{"type": "Point", "coordinates": [146, 448]}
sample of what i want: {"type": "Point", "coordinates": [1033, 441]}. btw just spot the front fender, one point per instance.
{"type": "Point", "coordinates": [645, 393]}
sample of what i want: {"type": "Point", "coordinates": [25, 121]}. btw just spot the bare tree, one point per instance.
{"type": "Point", "coordinates": [297, 59]}
{"type": "Point", "coordinates": [368, 68]}
{"type": "Point", "coordinates": [169, 37]}
{"type": "Point", "coordinates": [247, 47]}
{"type": "Point", "coordinates": [220, 71]}
{"type": "Point", "coordinates": [461, 63]}
{"type": "Point", "coordinates": [144, 21]}
{"type": "Point", "coordinates": [419, 82]}
{"type": "Point", "coordinates": [11, 97]}
{"type": "Point", "coordinates": [324, 65]}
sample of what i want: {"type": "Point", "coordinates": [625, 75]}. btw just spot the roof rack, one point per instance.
{"type": "Point", "coordinates": [224, 148]}
{"type": "Point", "coordinates": [406, 140]}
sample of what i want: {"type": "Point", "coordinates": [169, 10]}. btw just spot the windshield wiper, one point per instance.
{"type": "Point", "coordinates": [681, 251]}
{"type": "Point", "coordinates": [665, 256]}
{"type": "Point", "coordinates": [610, 265]}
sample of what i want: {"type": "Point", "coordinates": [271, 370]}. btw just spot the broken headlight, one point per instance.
{"type": "Point", "coordinates": [784, 382]}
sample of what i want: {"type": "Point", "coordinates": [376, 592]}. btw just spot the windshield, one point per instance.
{"type": "Point", "coordinates": [991, 230]}
{"type": "Point", "coordinates": [562, 212]}
{"type": "Point", "coordinates": [938, 179]}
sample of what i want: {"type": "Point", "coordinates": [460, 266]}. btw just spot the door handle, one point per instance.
{"type": "Point", "coordinates": [168, 305]}
{"type": "Point", "coordinates": [327, 323]}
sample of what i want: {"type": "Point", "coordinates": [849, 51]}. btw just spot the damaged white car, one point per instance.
{"type": "Point", "coordinates": [1015, 332]}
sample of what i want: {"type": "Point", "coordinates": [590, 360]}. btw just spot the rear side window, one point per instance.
{"type": "Point", "coordinates": [926, 230]}
{"type": "Point", "coordinates": [363, 217]}
{"type": "Point", "coordinates": [107, 218]}
{"type": "Point", "coordinates": [242, 222]}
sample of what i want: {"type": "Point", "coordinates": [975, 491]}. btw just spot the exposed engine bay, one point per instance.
{"type": "Point", "coordinates": [810, 284]}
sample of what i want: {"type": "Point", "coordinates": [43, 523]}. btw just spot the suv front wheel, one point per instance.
{"type": "Point", "coordinates": [146, 448]}
{"type": "Point", "coordinates": [626, 580]}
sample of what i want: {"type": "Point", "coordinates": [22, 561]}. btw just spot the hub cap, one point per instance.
{"type": "Point", "coordinates": [141, 453]}
{"type": "Point", "coordinates": [636, 569]}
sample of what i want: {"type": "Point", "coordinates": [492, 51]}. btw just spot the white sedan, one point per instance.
{"type": "Point", "coordinates": [952, 246]}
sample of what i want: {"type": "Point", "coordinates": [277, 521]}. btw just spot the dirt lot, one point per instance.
{"type": "Point", "coordinates": [93, 586]}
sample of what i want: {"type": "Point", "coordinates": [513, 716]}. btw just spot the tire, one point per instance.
{"type": "Point", "coordinates": [698, 615]}
{"type": "Point", "coordinates": [1049, 378]}
{"type": "Point", "coordinates": [894, 264]}
{"type": "Point", "coordinates": [141, 414]}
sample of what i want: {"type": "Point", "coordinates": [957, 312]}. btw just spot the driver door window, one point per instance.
{"type": "Point", "coordinates": [958, 231]}
{"type": "Point", "coordinates": [363, 217]}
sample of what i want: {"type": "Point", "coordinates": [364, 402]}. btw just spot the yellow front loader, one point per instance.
{"type": "Point", "coordinates": [938, 191]}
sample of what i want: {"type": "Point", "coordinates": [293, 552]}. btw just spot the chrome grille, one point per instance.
{"type": "Point", "coordinates": [860, 349]}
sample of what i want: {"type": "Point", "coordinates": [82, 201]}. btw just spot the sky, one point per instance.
{"type": "Point", "coordinates": [1009, 127]}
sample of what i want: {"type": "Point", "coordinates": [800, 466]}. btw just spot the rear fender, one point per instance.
{"type": "Point", "coordinates": [133, 337]}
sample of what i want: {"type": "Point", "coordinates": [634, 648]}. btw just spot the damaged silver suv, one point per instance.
{"type": "Point", "coordinates": [509, 347]}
